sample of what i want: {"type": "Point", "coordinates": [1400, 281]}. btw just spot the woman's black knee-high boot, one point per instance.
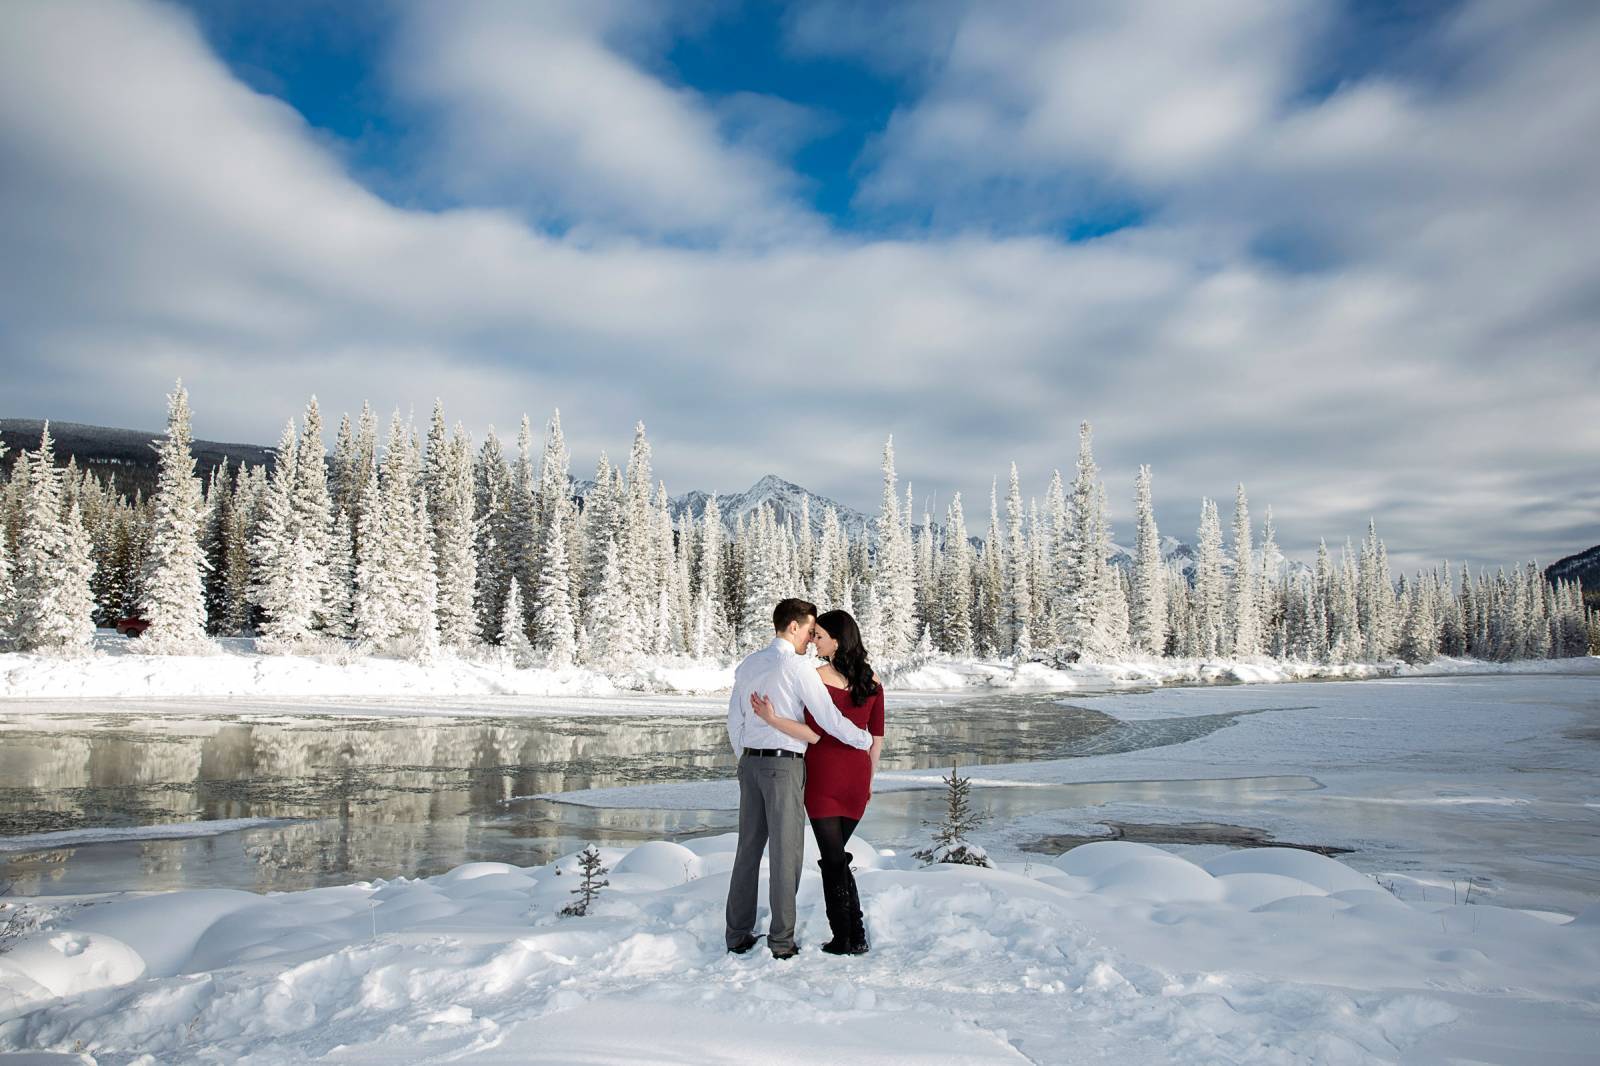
{"type": "Point", "coordinates": [836, 897]}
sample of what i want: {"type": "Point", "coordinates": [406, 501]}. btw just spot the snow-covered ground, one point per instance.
{"type": "Point", "coordinates": [115, 669]}
{"type": "Point", "coordinates": [1112, 953]}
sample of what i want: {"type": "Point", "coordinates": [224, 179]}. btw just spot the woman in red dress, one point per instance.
{"type": "Point", "coordinates": [839, 777]}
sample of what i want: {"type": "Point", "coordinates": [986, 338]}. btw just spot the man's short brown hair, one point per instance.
{"type": "Point", "coordinates": [790, 611]}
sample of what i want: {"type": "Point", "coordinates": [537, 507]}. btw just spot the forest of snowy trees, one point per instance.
{"type": "Point", "coordinates": [403, 545]}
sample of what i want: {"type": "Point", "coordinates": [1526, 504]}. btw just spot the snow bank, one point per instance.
{"type": "Point", "coordinates": [116, 669]}
{"type": "Point", "coordinates": [1115, 952]}
{"type": "Point", "coordinates": [944, 673]}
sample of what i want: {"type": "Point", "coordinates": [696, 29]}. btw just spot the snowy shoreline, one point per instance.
{"type": "Point", "coordinates": [115, 670]}
{"type": "Point", "coordinates": [1110, 952]}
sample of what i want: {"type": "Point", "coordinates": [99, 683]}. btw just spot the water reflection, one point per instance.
{"type": "Point", "coordinates": [386, 796]}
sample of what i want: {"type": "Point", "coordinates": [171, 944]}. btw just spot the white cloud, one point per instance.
{"type": "Point", "coordinates": [158, 218]}
{"type": "Point", "coordinates": [541, 111]}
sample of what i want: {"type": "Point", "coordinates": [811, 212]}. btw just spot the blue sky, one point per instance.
{"type": "Point", "coordinates": [1334, 251]}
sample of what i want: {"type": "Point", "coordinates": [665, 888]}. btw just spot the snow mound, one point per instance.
{"type": "Point", "coordinates": [1095, 857]}
{"type": "Point", "coordinates": [1254, 890]}
{"type": "Point", "coordinates": [1159, 878]}
{"type": "Point", "coordinates": [71, 962]}
{"type": "Point", "coordinates": [1307, 866]}
{"type": "Point", "coordinates": [660, 861]}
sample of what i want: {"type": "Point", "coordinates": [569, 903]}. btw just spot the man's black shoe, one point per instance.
{"type": "Point", "coordinates": [789, 953]}
{"type": "Point", "coordinates": [744, 945]}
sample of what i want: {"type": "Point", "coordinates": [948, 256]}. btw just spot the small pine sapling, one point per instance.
{"type": "Point", "coordinates": [950, 843]}
{"type": "Point", "coordinates": [589, 888]}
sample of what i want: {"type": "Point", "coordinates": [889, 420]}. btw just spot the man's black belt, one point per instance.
{"type": "Point", "coordinates": [776, 753]}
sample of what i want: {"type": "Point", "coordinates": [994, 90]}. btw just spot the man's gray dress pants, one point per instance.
{"type": "Point", "coordinates": [772, 794]}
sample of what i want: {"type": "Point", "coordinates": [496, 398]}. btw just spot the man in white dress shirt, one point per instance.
{"type": "Point", "coordinates": [772, 775]}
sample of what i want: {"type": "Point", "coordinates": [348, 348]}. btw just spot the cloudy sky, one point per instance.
{"type": "Point", "coordinates": [1343, 253]}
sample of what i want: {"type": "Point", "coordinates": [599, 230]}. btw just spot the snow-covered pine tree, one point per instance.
{"type": "Point", "coordinates": [174, 592]}
{"type": "Point", "coordinates": [1322, 604]}
{"type": "Point", "coordinates": [52, 602]}
{"type": "Point", "coordinates": [1182, 640]}
{"type": "Point", "coordinates": [1082, 560]}
{"type": "Point", "coordinates": [601, 525]}
{"type": "Point", "coordinates": [1243, 623]}
{"type": "Point", "coordinates": [513, 636]}
{"type": "Point", "coordinates": [1210, 587]}
{"type": "Point", "coordinates": [636, 539]}
{"type": "Point", "coordinates": [1041, 559]}
{"type": "Point", "coordinates": [313, 513]}
{"type": "Point", "coordinates": [344, 474]}
{"type": "Point", "coordinates": [805, 551]}
{"type": "Point", "coordinates": [711, 620]}
{"type": "Point", "coordinates": [1147, 612]}
{"type": "Point", "coordinates": [338, 604]}
{"type": "Point", "coordinates": [216, 523]}
{"type": "Point", "coordinates": [925, 579]}
{"type": "Point", "coordinates": [249, 492]}
{"type": "Point", "coordinates": [1345, 639]}
{"type": "Point", "coordinates": [1270, 590]}
{"type": "Point", "coordinates": [523, 524]}
{"type": "Point", "coordinates": [991, 584]}
{"type": "Point", "coordinates": [1018, 596]}
{"type": "Point", "coordinates": [893, 574]}
{"type": "Point", "coordinates": [557, 629]}
{"type": "Point", "coordinates": [456, 556]}
{"type": "Point", "coordinates": [955, 622]}
{"type": "Point", "coordinates": [491, 499]}
{"type": "Point", "coordinates": [283, 583]}
{"type": "Point", "coordinates": [1416, 641]}
{"type": "Point", "coordinates": [612, 622]}
{"type": "Point", "coordinates": [833, 561]}
{"type": "Point", "coordinates": [950, 843]}
{"type": "Point", "coordinates": [589, 887]}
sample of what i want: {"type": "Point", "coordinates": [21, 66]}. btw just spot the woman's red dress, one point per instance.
{"type": "Point", "coordinates": [839, 777]}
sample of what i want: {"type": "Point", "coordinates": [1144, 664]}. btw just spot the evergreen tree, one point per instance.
{"type": "Point", "coordinates": [513, 637]}
{"type": "Point", "coordinates": [249, 495]}
{"type": "Point", "coordinates": [612, 622]}
{"type": "Point", "coordinates": [174, 595]}
{"type": "Point", "coordinates": [1147, 611]}
{"type": "Point", "coordinates": [1082, 561]}
{"type": "Point", "coordinates": [1018, 596]}
{"type": "Point", "coordinates": [52, 604]}
{"type": "Point", "coordinates": [338, 603]}
{"type": "Point", "coordinates": [1244, 618]}
{"type": "Point", "coordinates": [956, 584]}
{"type": "Point", "coordinates": [492, 491]}
{"type": "Point", "coordinates": [557, 630]}
{"type": "Point", "coordinates": [894, 572]}
{"type": "Point", "coordinates": [1210, 587]}
{"type": "Point", "coordinates": [589, 887]}
{"type": "Point", "coordinates": [313, 516]}
{"type": "Point", "coordinates": [283, 583]}
{"type": "Point", "coordinates": [950, 843]}
{"type": "Point", "coordinates": [215, 527]}
{"type": "Point", "coordinates": [456, 557]}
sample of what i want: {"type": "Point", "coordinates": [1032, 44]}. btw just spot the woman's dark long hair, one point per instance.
{"type": "Point", "coordinates": [850, 657]}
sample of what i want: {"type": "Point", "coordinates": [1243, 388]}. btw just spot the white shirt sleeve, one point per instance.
{"type": "Point", "coordinates": [815, 696]}
{"type": "Point", "coordinates": [736, 720]}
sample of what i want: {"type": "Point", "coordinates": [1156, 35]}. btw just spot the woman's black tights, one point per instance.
{"type": "Point", "coordinates": [832, 835]}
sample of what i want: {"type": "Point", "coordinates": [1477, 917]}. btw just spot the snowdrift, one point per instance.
{"type": "Point", "coordinates": [1114, 951]}
{"type": "Point", "coordinates": [116, 669]}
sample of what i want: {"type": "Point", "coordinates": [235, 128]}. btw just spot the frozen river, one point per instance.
{"type": "Point", "coordinates": [1426, 781]}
